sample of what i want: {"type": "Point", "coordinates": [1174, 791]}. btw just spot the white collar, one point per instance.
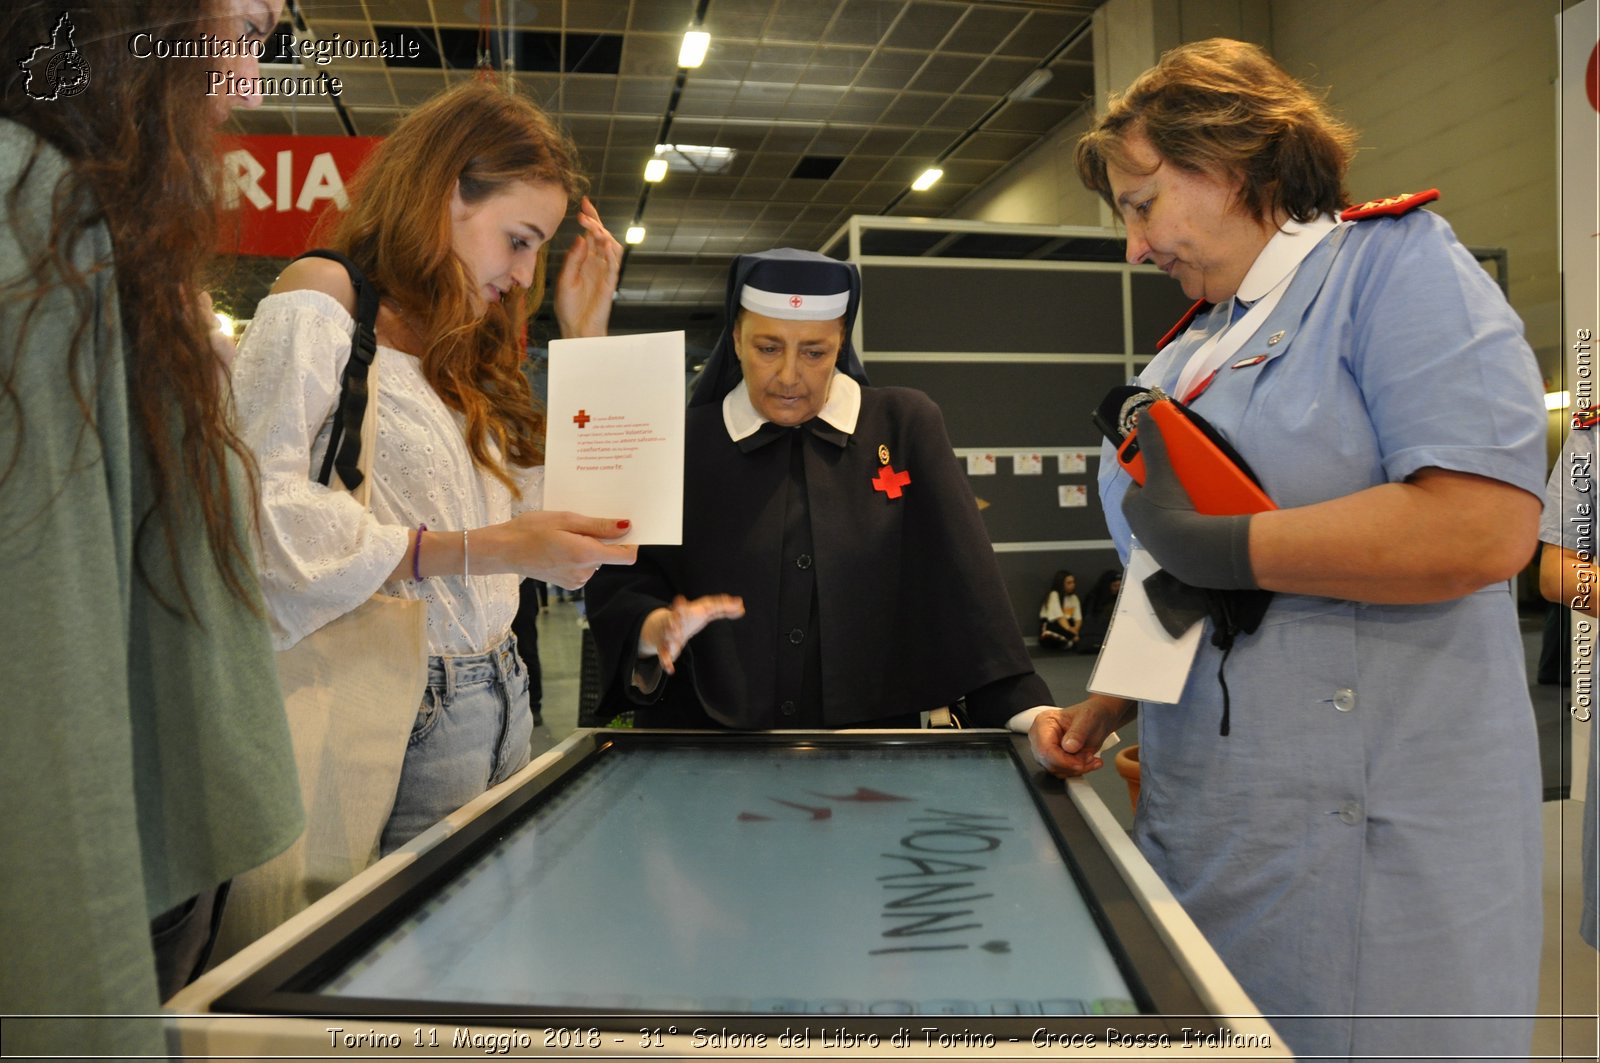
{"type": "Point", "coordinates": [841, 410]}
{"type": "Point", "coordinates": [1283, 253]}
{"type": "Point", "coordinates": [1263, 286]}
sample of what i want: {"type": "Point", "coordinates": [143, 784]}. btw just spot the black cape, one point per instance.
{"type": "Point", "coordinates": [860, 607]}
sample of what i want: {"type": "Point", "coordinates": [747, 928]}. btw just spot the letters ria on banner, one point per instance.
{"type": "Point", "coordinates": [281, 185]}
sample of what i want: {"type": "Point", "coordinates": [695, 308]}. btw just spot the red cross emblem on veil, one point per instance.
{"type": "Point", "coordinates": [796, 302]}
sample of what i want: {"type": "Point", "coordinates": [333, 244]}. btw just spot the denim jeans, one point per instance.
{"type": "Point", "coordinates": [473, 730]}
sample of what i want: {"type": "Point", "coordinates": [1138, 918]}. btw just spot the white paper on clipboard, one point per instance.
{"type": "Point", "coordinates": [1139, 659]}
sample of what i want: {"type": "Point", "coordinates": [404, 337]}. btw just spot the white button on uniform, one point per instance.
{"type": "Point", "coordinates": [1345, 699]}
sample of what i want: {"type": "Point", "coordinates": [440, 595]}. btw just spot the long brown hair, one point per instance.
{"type": "Point", "coordinates": [139, 141]}
{"type": "Point", "coordinates": [1222, 106]}
{"type": "Point", "coordinates": [398, 231]}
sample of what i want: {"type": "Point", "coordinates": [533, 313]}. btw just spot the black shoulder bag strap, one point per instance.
{"type": "Point", "coordinates": [344, 444]}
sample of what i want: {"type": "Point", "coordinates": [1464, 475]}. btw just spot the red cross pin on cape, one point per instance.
{"type": "Point", "coordinates": [888, 481]}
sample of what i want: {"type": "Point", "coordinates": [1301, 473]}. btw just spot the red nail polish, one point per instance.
{"type": "Point", "coordinates": [624, 524]}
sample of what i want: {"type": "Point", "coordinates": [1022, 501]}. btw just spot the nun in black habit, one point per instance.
{"type": "Point", "coordinates": [834, 571]}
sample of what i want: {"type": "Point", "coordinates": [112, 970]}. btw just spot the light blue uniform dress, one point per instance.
{"type": "Point", "coordinates": [1569, 521]}
{"type": "Point", "coordinates": [1367, 840]}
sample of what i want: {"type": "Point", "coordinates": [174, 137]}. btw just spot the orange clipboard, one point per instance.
{"type": "Point", "coordinates": [1217, 479]}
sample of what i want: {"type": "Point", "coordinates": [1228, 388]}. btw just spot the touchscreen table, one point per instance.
{"type": "Point", "coordinates": [633, 878]}
{"type": "Point", "coordinates": [832, 880]}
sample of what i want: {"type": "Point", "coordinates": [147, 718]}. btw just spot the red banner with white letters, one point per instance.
{"type": "Point", "coordinates": [281, 185]}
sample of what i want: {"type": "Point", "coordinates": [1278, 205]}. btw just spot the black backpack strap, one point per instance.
{"type": "Point", "coordinates": [344, 444]}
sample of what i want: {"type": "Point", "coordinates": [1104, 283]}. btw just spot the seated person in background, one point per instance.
{"type": "Point", "coordinates": [829, 524]}
{"type": "Point", "coordinates": [1060, 616]}
{"type": "Point", "coordinates": [1098, 606]}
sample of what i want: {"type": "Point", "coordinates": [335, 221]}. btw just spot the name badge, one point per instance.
{"type": "Point", "coordinates": [1139, 659]}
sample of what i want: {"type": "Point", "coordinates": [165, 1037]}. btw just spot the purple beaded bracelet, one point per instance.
{"type": "Point", "coordinates": [416, 555]}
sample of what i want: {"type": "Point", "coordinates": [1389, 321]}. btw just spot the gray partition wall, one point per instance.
{"type": "Point", "coordinates": [1017, 332]}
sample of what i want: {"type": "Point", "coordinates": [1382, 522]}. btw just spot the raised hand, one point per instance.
{"type": "Point", "coordinates": [588, 278]}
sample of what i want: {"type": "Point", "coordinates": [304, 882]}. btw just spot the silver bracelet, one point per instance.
{"type": "Point", "coordinates": [466, 556]}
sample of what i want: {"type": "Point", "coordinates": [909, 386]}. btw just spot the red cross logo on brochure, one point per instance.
{"type": "Point", "coordinates": [582, 419]}
{"type": "Point", "coordinates": [890, 482]}
{"type": "Point", "coordinates": [796, 302]}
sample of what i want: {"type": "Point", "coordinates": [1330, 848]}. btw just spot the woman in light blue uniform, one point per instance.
{"type": "Point", "coordinates": [1568, 575]}
{"type": "Point", "coordinates": [1365, 839]}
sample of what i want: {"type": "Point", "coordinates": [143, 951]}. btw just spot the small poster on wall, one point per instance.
{"type": "Point", "coordinates": [1072, 462]}
{"type": "Point", "coordinates": [1027, 464]}
{"type": "Point", "coordinates": [980, 464]}
{"type": "Point", "coordinates": [1072, 495]}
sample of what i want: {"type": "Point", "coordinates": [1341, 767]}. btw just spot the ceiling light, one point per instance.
{"type": "Point", "coordinates": [1031, 84]}
{"type": "Point", "coordinates": [927, 179]}
{"type": "Point", "coordinates": [1557, 400]}
{"type": "Point", "coordinates": [696, 158]}
{"type": "Point", "coordinates": [695, 45]}
{"type": "Point", "coordinates": [655, 169]}
{"type": "Point", "coordinates": [635, 234]}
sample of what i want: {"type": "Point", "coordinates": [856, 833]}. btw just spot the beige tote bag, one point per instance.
{"type": "Point", "coordinates": [351, 690]}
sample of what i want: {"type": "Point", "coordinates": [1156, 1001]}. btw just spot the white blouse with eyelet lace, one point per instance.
{"type": "Point", "coordinates": [321, 553]}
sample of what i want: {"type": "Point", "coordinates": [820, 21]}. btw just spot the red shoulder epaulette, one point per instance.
{"type": "Point", "coordinates": [1183, 322]}
{"type": "Point", "coordinates": [1393, 205]}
